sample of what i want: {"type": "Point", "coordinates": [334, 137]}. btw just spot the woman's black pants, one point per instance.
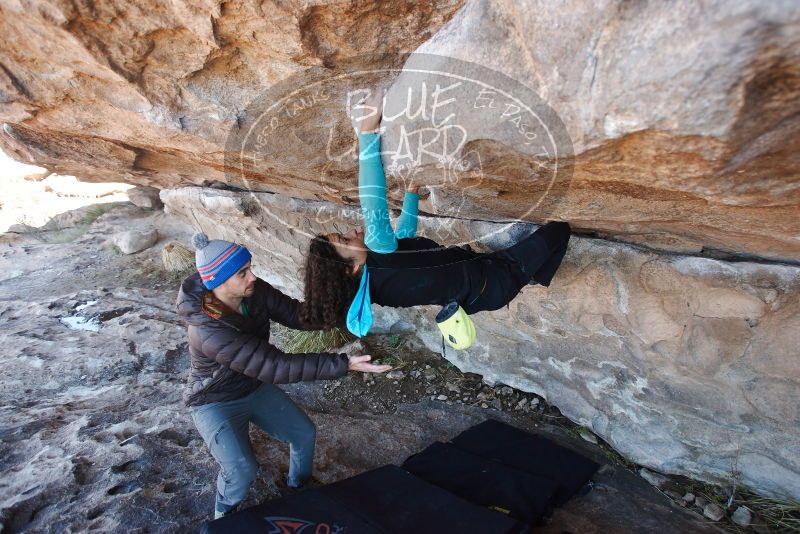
{"type": "Point", "coordinates": [534, 259]}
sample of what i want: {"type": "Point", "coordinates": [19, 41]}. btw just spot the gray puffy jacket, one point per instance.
{"type": "Point", "coordinates": [231, 354]}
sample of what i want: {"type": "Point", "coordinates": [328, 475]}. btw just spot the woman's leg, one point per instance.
{"type": "Point", "coordinates": [538, 256]}
{"type": "Point", "coordinates": [556, 236]}
{"type": "Point", "coordinates": [503, 283]}
{"type": "Point", "coordinates": [276, 414]}
{"type": "Point", "coordinates": [224, 428]}
{"type": "Point", "coordinates": [535, 258]}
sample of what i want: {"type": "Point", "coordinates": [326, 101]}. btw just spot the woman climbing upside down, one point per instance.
{"type": "Point", "coordinates": [405, 270]}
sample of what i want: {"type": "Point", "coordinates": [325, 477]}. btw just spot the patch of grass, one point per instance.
{"type": "Point", "coordinates": [57, 236]}
{"type": "Point", "coordinates": [316, 340]}
{"type": "Point", "coordinates": [53, 233]}
{"type": "Point", "coordinates": [395, 341]}
{"type": "Point", "coordinates": [395, 361]}
{"type": "Point", "coordinates": [780, 515]}
{"type": "Point", "coordinates": [179, 276]}
{"type": "Point", "coordinates": [177, 258]}
{"type": "Point", "coordinates": [617, 459]}
{"type": "Point", "coordinates": [115, 250]}
{"type": "Point", "coordinates": [95, 211]}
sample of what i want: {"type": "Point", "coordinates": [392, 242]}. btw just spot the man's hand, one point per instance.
{"type": "Point", "coordinates": [360, 363]}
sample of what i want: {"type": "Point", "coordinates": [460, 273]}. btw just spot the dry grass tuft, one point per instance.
{"type": "Point", "coordinates": [177, 258]}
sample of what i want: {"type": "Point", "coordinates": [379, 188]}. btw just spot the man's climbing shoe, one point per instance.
{"type": "Point", "coordinates": [218, 514]}
{"type": "Point", "coordinates": [309, 484]}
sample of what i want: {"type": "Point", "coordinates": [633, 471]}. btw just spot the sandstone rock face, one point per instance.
{"type": "Point", "coordinates": [685, 365]}
{"type": "Point", "coordinates": [682, 119]}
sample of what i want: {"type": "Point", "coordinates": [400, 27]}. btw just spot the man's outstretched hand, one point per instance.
{"type": "Point", "coordinates": [361, 363]}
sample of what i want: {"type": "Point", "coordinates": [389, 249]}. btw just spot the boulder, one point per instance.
{"type": "Point", "coordinates": [145, 197]}
{"type": "Point", "coordinates": [136, 240]}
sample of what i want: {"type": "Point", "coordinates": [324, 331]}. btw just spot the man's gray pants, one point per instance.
{"type": "Point", "coordinates": [225, 426]}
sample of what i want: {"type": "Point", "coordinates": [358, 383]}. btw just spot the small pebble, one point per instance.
{"type": "Point", "coordinates": [713, 511]}
{"type": "Point", "coordinates": [442, 397]}
{"type": "Point", "coordinates": [688, 498]}
{"type": "Point", "coordinates": [742, 517]}
{"type": "Point", "coordinates": [484, 405]}
{"type": "Point", "coordinates": [588, 436]}
{"type": "Point", "coordinates": [655, 479]}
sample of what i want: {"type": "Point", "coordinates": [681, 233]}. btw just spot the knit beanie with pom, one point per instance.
{"type": "Point", "coordinates": [217, 260]}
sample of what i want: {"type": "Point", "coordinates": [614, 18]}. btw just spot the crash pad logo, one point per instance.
{"type": "Point", "coordinates": [292, 525]}
{"type": "Point", "coordinates": [477, 141]}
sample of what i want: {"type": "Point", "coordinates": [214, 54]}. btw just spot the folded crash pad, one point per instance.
{"type": "Point", "coordinates": [527, 452]}
{"type": "Point", "coordinates": [484, 481]}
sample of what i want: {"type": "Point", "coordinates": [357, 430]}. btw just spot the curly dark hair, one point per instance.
{"type": "Point", "coordinates": [329, 286]}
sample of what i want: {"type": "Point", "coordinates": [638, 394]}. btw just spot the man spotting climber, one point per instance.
{"type": "Point", "coordinates": [227, 310]}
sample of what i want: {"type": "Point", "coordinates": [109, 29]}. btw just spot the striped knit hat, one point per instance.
{"type": "Point", "coordinates": [217, 260]}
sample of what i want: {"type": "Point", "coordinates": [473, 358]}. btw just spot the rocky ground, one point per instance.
{"type": "Point", "coordinates": [93, 434]}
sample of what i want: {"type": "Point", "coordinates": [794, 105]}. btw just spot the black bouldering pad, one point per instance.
{"type": "Point", "coordinates": [386, 500]}
{"type": "Point", "coordinates": [484, 481]}
{"type": "Point", "coordinates": [309, 511]}
{"type": "Point", "coordinates": [530, 453]}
